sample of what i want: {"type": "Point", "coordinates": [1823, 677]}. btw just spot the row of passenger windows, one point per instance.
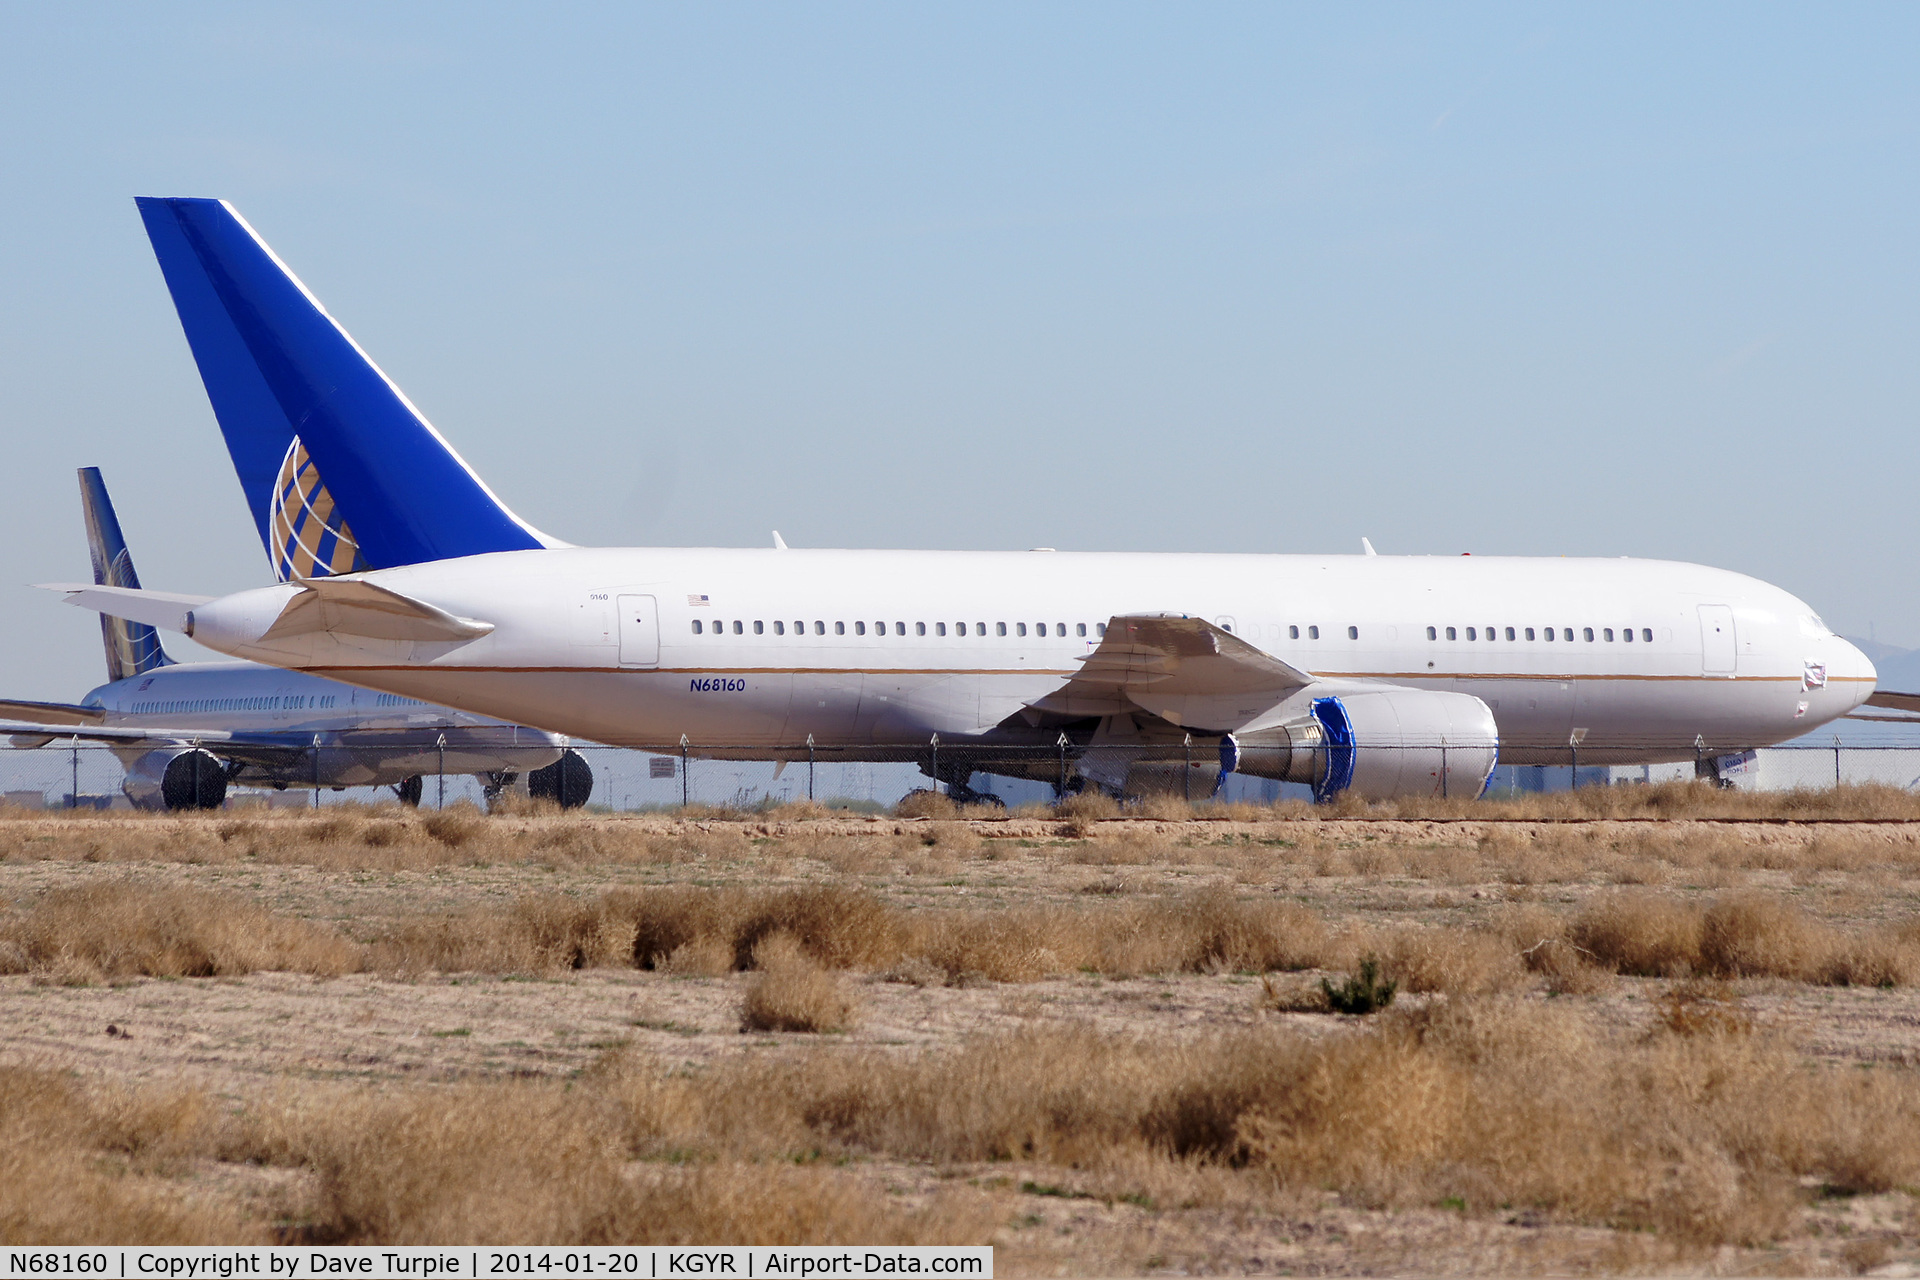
{"type": "Point", "coordinates": [1546, 633]}
{"type": "Point", "coordinates": [899, 628]}
{"type": "Point", "coordinates": [185, 706]}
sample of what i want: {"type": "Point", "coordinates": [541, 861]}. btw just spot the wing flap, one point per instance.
{"type": "Point", "coordinates": [1184, 669]}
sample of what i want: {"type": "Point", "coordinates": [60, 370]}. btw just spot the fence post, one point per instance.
{"type": "Point", "coordinates": [810, 767]}
{"type": "Point", "coordinates": [1443, 768]}
{"type": "Point", "coordinates": [683, 771]}
{"type": "Point", "coordinates": [1062, 744]}
{"type": "Point", "coordinates": [73, 801]}
{"type": "Point", "coordinates": [935, 744]}
{"type": "Point", "coordinates": [316, 771]}
{"type": "Point", "coordinates": [1836, 761]}
{"type": "Point", "coordinates": [1186, 774]}
{"type": "Point", "coordinates": [440, 744]}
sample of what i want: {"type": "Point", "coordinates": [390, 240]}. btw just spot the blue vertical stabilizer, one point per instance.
{"type": "Point", "coordinates": [339, 469]}
{"type": "Point", "coordinates": [133, 648]}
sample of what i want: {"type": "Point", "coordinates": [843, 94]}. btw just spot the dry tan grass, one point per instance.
{"type": "Point", "coordinates": [1741, 935]}
{"type": "Point", "coordinates": [114, 930]}
{"type": "Point", "coordinates": [1488, 1102]}
{"type": "Point", "coordinates": [1703, 1131]}
{"type": "Point", "coordinates": [78, 1169]}
{"type": "Point", "coordinates": [791, 992]}
{"type": "Point", "coordinates": [117, 929]}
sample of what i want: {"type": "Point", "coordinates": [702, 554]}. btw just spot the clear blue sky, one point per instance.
{"type": "Point", "coordinates": [1599, 279]}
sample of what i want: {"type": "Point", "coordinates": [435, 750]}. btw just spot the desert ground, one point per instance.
{"type": "Point", "coordinates": [1636, 1030]}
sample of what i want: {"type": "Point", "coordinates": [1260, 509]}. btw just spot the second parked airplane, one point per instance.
{"type": "Point", "coordinates": [186, 731]}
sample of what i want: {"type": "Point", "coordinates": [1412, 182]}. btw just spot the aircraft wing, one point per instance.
{"type": "Point", "coordinates": [269, 750]}
{"type": "Point", "coordinates": [60, 713]}
{"type": "Point", "coordinates": [1888, 700]}
{"type": "Point", "coordinates": [1183, 669]}
{"type": "Point", "coordinates": [28, 734]}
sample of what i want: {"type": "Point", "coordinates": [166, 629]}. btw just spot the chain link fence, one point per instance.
{"type": "Point", "coordinates": [628, 780]}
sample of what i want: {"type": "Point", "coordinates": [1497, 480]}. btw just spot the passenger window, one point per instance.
{"type": "Point", "coordinates": [1607, 635]}
{"type": "Point", "coordinates": [1509, 633]}
{"type": "Point", "coordinates": [1313, 633]}
{"type": "Point", "coordinates": [1626, 633]}
{"type": "Point", "coordinates": [696, 626]}
{"type": "Point", "coordinates": [1100, 629]}
{"type": "Point", "coordinates": [1353, 633]}
{"type": "Point", "coordinates": [737, 628]}
{"type": "Point", "coordinates": [1587, 632]}
{"type": "Point", "coordinates": [1471, 634]}
{"type": "Point", "coordinates": [999, 628]}
{"type": "Point", "coordinates": [1646, 634]}
{"type": "Point", "coordinates": [939, 628]}
{"type": "Point", "coordinates": [919, 628]}
{"type": "Point", "coordinates": [1293, 633]}
{"type": "Point", "coordinates": [1433, 633]}
{"type": "Point", "coordinates": [1492, 634]}
{"type": "Point", "coordinates": [1080, 628]}
{"type": "Point", "coordinates": [1452, 634]}
{"type": "Point", "coordinates": [1549, 631]}
{"type": "Point", "coordinates": [859, 628]}
{"type": "Point", "coordinates": [819, 627]}
{"type": "Point", "coordinates": [759, 627]}
{"type": "Point", "coordinates": [899, 628]}
{"type": "Point", "coordinates": [979, 628]}
{"type": "Point", "coordinates": [1020, 628]}
{"type": "Point", "coordinates": [1060, 629]}
{"type": "Point", "coordinates": [839, 628]}
{"type": "Point", "coordinates": [779, 627]}
{"type": "Point", "coordinates": [799, 628]}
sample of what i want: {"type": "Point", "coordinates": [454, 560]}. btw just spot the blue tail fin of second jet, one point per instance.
{"type": "Point", "coordinates": [298, 400]}
{"type": "Point", "coordinates": [133, 648]}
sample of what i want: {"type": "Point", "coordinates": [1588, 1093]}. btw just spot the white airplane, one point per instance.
{"type": "Point", "coordinates": [1375, 675]}
{"type": "Point", "coordinates": [185, 732]}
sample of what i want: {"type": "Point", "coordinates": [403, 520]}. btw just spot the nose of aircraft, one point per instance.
{"type": "Point", "coordinates": [1848, 669]}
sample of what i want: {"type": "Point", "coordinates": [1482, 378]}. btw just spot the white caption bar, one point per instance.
{"type": "Point", "coordinates": [178, 1262]}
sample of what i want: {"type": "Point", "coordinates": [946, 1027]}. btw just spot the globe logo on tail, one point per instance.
{"type": "Point", "coordinates": [310, 536]}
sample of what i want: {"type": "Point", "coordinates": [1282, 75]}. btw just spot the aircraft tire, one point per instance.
{"type": "Point", "coordinates": [568, 781]}
{"type": "Point", "coordinates": [410, 790]}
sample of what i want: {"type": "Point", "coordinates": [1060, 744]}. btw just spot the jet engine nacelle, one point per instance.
{"type": "Point", "coordinates": [567, 782]}
{"type": "Point", "coordinates": [177, 778]}
{"type": "Point", "coordinates": [1378, 745]}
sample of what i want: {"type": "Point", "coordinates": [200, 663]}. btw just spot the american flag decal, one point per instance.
{"type": "Point", "coordinates": [698, 600]}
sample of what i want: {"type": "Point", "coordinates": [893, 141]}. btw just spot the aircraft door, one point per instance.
{"type": "Point", "coordinates": [1717, 648]}
{"type": "Point", "coordinates": [639, 632]}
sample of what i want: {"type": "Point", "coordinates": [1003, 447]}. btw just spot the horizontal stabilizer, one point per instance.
{"type": "Point", "coordinates": [164, 609]}
{"type": "Point", "coordinates": [1183, 669]}
{"type": "Point", "coordinates": [348, 606]}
